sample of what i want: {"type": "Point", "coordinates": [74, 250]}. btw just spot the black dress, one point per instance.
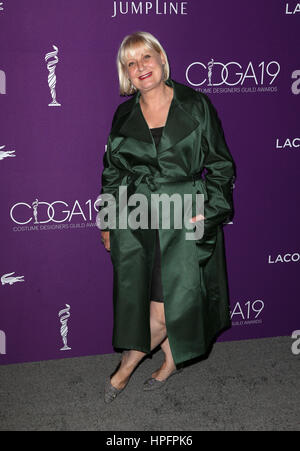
{"type": "Point", "coordinates": [156, 285]}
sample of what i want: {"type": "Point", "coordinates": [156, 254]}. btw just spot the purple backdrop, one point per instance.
{"type": "Point", "coordinates": [244, 56]}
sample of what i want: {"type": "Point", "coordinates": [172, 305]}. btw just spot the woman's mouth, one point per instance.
{"type": "Point", "coordinates": [142, 77]}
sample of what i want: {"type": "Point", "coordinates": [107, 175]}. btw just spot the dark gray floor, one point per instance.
{"type": "Point", "coordinates": [243, 385]}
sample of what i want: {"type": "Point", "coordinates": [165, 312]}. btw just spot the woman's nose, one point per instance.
{"type": "Point", "coordinates": [140, 66]}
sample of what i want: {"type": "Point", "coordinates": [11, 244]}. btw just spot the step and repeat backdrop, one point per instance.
{"type": "Point", "coordinates": [58, 92]}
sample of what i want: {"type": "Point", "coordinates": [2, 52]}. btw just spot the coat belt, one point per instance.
{"type": "Point", "coordinates": [153, 182]}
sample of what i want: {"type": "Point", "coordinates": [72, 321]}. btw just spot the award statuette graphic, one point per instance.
{"type": "Point", "coordinates": [52, 77]}
{"type": "Point", "coordinates": [65, 314]}
{"type": "Point", "coordinates": [35, 205]}
{"type": "Point", "coordinates": [210, 66]}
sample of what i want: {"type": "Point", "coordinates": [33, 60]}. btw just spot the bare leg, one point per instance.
{"type": "Point", "coordinates": [168, 365]}
{"type": "Point", "coordinates": [133, 357]}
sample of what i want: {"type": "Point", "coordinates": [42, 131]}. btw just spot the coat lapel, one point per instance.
{"type": "Point", "coordinates": [179, 123]}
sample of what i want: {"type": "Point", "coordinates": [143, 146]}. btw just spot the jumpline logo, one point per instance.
{"type": "Point", "coordinates": [155, 7]}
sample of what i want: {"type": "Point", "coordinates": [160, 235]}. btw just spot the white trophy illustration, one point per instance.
{"type": "Point", "coordinates": [6, 153]}
{"type": "Point", "coordinates": [1, 6]}
{"type": "Point", "coordinates": [52, 77]}
{"type": "Point", "coordinates": [35, 205]}
{"type": "Point", "coordinates": [210, 66]}
{"type": "Point", "coordinates": [65, 314]}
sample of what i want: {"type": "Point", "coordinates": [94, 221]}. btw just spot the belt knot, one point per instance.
{"type": "Point", "coordinates": [144, 178]}
{"type": "Point", "coordinates": [151, 182]}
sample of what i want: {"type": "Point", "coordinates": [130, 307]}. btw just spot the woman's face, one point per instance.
{"type": "Point", "coordinates": [144, 68]}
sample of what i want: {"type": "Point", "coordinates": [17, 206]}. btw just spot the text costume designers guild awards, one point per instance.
{"type": "Point", "coordinates": [147, 7]}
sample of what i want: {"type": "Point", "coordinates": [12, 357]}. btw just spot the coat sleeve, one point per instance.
{"type": "Point", "coordinates": [111, 175]}
{"type": "Point", "coordinates": [221, 172]}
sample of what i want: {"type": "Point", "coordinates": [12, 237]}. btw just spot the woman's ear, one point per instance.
{"type": "Point", "coordinates": [163, 61]}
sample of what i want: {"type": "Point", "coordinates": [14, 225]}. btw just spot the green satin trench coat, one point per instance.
{"type": "Point", "coordinates": [194, 273]}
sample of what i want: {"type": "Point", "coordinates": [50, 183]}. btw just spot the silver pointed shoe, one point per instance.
{"type": "Point", "coordinates": [111, 392]}
{"type": "Point", "coordinates": [154, 384]}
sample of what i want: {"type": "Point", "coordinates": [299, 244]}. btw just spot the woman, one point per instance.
{"type": "Point", "coordinates": [168, 290]}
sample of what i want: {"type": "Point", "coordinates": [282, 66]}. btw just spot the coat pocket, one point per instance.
{"type": "Point", "coordinates": [205, 246]}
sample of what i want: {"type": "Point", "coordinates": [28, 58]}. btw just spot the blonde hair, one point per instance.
{"type": "Point", "coordinates": [128, 44]}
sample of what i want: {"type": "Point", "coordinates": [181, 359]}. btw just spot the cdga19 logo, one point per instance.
{"type": "Point", "coordinates": [40, 212]}
{"type": "Point", "coordinates": [215, 73]}
{"type": "Point", "coordinates": [247, 313]}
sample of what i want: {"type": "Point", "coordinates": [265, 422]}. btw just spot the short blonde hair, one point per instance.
{"type": "Point", "coordinates": [128, 44]}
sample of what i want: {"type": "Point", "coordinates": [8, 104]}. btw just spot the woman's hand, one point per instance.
{"type": "Point", "coordinates": [197, 218]}
{"type": "Point", "coordinates": [105, 240]}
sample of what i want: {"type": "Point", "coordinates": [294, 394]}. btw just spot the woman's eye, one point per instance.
{"type": "Point", "coordinates": [147, 56]}
{"type": "Point", "coordinates": [130, 64]}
